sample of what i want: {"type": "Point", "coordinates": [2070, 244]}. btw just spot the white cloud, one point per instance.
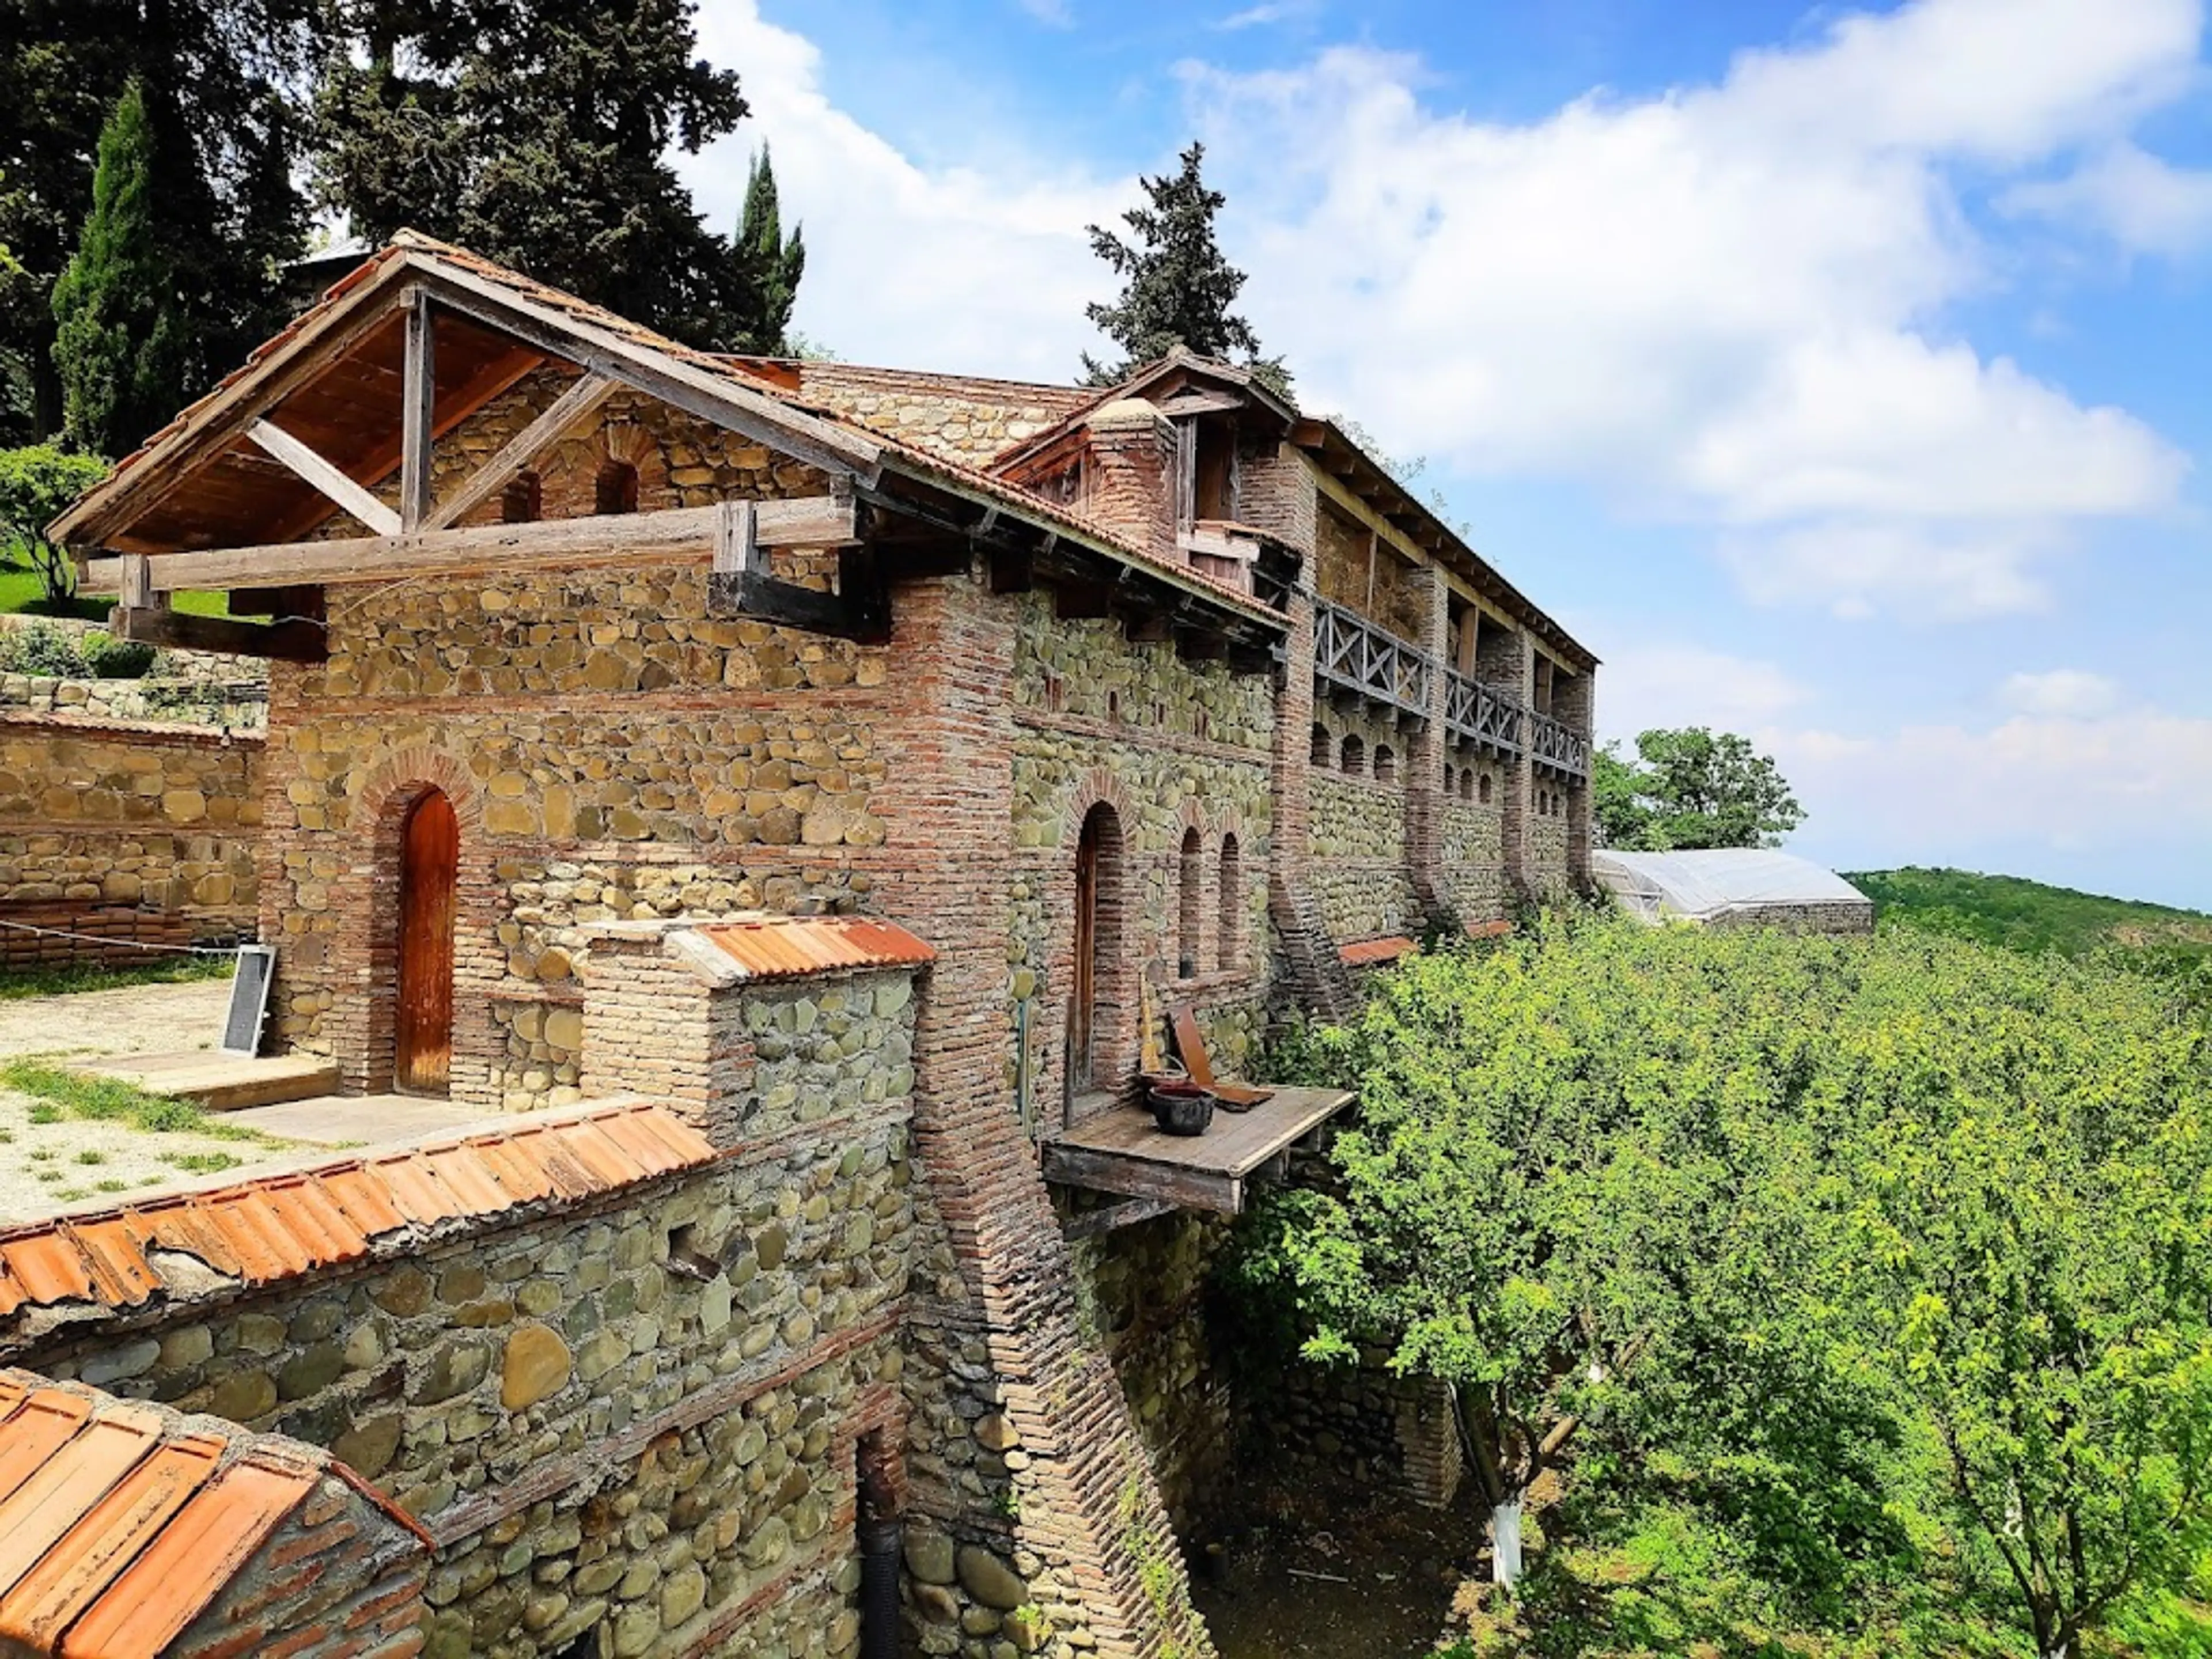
{"type": "Point", "coordinates": [2140, 779]}
{"type": "Point", "coordinates": [1670, 684]}
{"type": "Point", "coordinates": [1054, 13]}
{"type": "Point", "coordinates": [1270, 11]}
{"type": "Point", "coordinates": [2062, 693]}
{"type": "Point", "coordinates": [943, 267]}
{"type": "Point", "coordinates": [2140, 202]}
{"type": "Point", "coordinates": [1725, 306]}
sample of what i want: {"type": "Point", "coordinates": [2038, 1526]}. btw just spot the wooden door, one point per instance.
{"type": "Point", "coordinates": [1080, 1013]}
{"type": "Point", "coordinates": [429, 859]}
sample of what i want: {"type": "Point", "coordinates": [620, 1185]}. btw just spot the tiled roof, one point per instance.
{"type": "Point", "coordinates": [426, 252]}
{"type": "Point", "coordinates": [787, 947]}
{"type": "Point", "coordinates": [1369, 952]}
{"type": "Point", "coordinates": [273, 1227]}
{"type": "Point", "coordinates": [119, 1523]}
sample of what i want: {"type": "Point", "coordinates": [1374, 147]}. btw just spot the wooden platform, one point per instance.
{"type": "Point", "coordinates": [219, 1082]}
{"type": "Point", "coordinates": [1121, 1151]}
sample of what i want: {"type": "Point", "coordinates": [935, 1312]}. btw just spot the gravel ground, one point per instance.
{"type": "Point", "coordinates": [46, 1166]}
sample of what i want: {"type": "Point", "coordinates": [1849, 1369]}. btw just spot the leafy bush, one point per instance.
{"type": "Point", "coordinates": [111, 659]}
{"type": "Point", "coordinates": [35, 485]}
{"type": "Point", "coordinates": [40, 648]}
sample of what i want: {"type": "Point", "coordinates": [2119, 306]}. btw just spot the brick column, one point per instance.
{"type": "Point", "coordinates": [1574, 702]}
{"type": "Point", "coordinates": [1508, 661]}
{"type": "Point", "coordinates": [1089, 1537]}
{"type": "Point", "coordinates": [1424, 765]}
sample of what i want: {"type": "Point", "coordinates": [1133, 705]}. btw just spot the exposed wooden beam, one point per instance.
{"type": "Point", "coordinates": [679, 532]}
{"type": "Point", "coordinates": [275, 378]}
{"type": "Point", "coordinates": [293, 642]}
{"type": "Point", "coordinates": [418, 393]}
{"type": "Point", "coordinates": [695, 391]}
{"type": "Point", "coordinates": [1091, 1223]}
{"type": "Point", "coordinates": [487, 480]}
{"type": "Point", "coordinates": [333, 483]}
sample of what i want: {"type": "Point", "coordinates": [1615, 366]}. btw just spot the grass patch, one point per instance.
{"type": "Point", "coordinates": [91, 1155]}
{"type": "Point", "coordinates": [18, 984]}
{"type": "Point", "coordinates": [202, 1162]}
{"type": "Point", "coordinates": [103, 1100]}
{"type": "Point", "coordinates": [22, 592]}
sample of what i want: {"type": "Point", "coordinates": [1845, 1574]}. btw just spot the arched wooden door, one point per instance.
{"type": "Point", "coordinates": [429, 862]}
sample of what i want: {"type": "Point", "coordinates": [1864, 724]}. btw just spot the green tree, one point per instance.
{"type": "Point", "coordinates": [1532, 1209]}
{"type": "Point", "coordinates": [125, 347]}
{"type": "Point", "coordinates": [537, 132]}
{"type": "Point", "coordinates": [1177, 287]}
{"type": "Point", "coordinates": [223, 83]}
{"type": "Point", "coordinates": [35, 485]}
{"type": "Point", "coordinates": [2032, 1172]}
{"type": "Point", "coordinates": [1690, 789]}
{"type": "Point", "coordinates": [769, 267]}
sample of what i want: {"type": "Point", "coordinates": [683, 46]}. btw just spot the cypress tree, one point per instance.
{"type": "Point", "coordinates": [767, 269]}
{"type": "Point", "coordinates": [124, 350]}
{"type": "Point", "coordinates": [1177, 287]}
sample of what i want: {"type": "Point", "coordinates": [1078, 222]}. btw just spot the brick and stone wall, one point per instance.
{"type": "Point", "coordinates": [127, 831]}
{"type": "Point", "coordinates": [967, 418]}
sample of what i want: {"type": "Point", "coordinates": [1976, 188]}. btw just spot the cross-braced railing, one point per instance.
{"type": "Point", "coordinates": [1558, 746]}
{"type": "Point", "coordinates": [1476, 713]}
{"type": "Point", "coordinates": [1353, 653]}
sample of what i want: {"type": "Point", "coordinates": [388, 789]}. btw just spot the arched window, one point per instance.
{"type": "Point", "coordinates": [1186, 923]}
{"type": "Point", "coordinates": [1467, 784]}
{"type": "Point", "coordinates": [1228, 949]}
{"type": "Point", "coordinates": [616, 488]}
{"type": "Point", "coordinates": [1482, 790]}
{"type": "Point", "coordinates": [523, 500]}
{"type": "Point", "coordinates": [1351, 759]}
{"type": "Point", "coordinates": [1386, 763]}
{"type": "Point", "coordinates": [1323, 748]}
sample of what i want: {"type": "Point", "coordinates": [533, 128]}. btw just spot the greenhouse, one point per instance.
{"type": "Point", "coordinates": [1734, 886]}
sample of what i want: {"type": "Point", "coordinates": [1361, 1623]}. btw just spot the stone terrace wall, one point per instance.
{"type": "Point", "coordinates": [131, 832]}
{"type": "Point", "coordinates": [643, 1417]}
{"type": "Point", "coordinates": [1474, 855]}
{"type": "Point", "coordinates": [1546, 841]}
{"type": "Point", "coordinates": [1358, 870]}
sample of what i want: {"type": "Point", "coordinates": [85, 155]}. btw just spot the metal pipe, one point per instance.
{"type": "Point", "coordinates": [881, 1543]}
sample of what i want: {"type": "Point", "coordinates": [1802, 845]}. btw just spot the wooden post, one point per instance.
{"type": "Point", "coordinates": [418, 389]}
{"type": "Point", "coordinates": [736, 538]}
{"type": "Point", "coordinates": [138, 589]}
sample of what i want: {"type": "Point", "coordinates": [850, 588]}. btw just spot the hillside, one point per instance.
{"type": "Point", "coordinates": [2031, 916]}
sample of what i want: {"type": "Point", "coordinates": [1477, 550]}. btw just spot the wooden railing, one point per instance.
{"type": "Point", "coordinates": [1355, 654]}
{"type": "Point", "coordinates": [1556, 746]}
{"type": "Point", "coordinates": [1481, 714]}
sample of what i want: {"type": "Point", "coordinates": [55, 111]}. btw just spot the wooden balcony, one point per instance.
{"type": "Point", "coordinates": [1353, 655]}
{"type": "Point", "coordinates": [1482, 715]}
{"type": "Point", "coordinates": [1558, 746]}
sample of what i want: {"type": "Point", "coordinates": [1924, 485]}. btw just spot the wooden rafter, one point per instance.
{"type": "Point", "coordinates": [333, 483]}
{"type": "Point", "coordinates": [679, 532]}
{"type": "Point", "coordinates": [565, 411]}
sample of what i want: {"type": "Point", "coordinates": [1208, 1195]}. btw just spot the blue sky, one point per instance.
{"type": "Point", "coordinates": [1837, 373]}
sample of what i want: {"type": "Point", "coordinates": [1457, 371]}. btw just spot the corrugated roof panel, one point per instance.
{"type": "Point", "coordinates": [790, 947]}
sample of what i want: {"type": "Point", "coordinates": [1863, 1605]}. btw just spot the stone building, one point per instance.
{"type": "Point", "coordinates": [820, 771]}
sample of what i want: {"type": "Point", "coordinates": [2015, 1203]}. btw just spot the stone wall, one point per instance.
{"type": "Point", "coordinates": [127, 831]}
{"type": "Point", "coordinates": [1473, 854]}
{"type": "Point", "coordinates": [1359, 873]}
{"type": "Point", "coordinates": [643, 1417]}
{"type": "Point", "coordinates": [237, 704]}
{"type": "Point", "coordinates": [967, 418]}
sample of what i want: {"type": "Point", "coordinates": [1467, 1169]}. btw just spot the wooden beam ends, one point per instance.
{"type": "Point", "coordinates": [293, 642]}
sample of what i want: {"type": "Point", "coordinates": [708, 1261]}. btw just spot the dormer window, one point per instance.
{"type": "Point", "coordinates": [1207, 486]}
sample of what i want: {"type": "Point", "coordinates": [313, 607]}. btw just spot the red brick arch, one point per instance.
{"type": "Point", "coordinates": [388, 793]}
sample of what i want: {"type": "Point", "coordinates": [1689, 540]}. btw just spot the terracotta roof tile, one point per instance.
{"type": "Point", "coordinates": [786, 947]}
{"type": "Point", "coordinates": [274, 1227]}
{"type": "Point", "coordinates": [1369, 952]}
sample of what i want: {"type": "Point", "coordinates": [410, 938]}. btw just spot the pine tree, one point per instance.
{"type": "Point", "coordinates": [1177, 287]}
{"type": "Point", "coordinates": [537, 132]}
{"type": "Point", "coordinates": [125, 352]}
{"type": "Point", "coordinates": [769, 267]}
